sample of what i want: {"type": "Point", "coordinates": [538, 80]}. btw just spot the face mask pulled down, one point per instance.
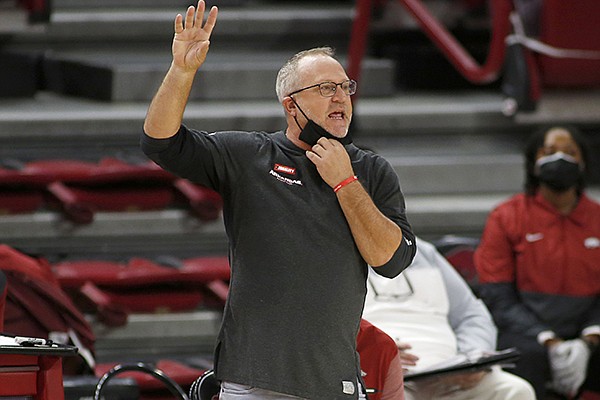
{"type": "Point", "coordinates": [313, 131]}
{"type": "Point", "coordinates": [559, 171]}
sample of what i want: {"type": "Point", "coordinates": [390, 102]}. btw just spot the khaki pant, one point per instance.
{"type": "Point", "coordinates": [496, 385]}
{"type": "Point", "coordinates": [236, 391]}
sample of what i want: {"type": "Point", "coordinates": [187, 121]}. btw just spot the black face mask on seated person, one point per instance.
{"type": "Point", "coordinates": [559, 171]}
{"type": "Point", "coordinates": [313, 131]}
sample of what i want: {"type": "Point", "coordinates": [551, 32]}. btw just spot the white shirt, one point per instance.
{"type": "Point", "coordinates": [430, 307]}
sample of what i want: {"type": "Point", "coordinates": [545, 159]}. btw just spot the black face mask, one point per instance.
{"type": "Point", "coordinates": [313, 131]}
{"type": "Point", "coordinates": [558, 171]}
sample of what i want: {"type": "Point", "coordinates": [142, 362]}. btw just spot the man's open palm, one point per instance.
{"type": "Point", "coordinates": [192, 39]}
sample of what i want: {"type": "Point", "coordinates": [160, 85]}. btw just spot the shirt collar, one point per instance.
{"type": "Point", "coordinates": [578, 215]}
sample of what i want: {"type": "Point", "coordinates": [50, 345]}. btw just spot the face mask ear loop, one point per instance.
{"type": "Point", "coordinates": [295, 119]}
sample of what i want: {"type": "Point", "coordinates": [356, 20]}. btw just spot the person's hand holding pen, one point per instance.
{"type": "Point", "coordinates": [192, 39]}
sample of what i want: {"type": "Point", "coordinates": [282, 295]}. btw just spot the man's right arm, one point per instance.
{"type": "Point", "coordinates": [165, 113]}
{"type": "Point", "coordinates": [190, 46]}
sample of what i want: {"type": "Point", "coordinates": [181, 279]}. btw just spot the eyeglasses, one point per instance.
{"type": "Point", "coordinates": [401, 294]}
{"type": "Point", "coordinates": [328, 89]}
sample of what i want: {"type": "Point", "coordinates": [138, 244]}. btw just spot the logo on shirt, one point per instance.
{"type": "Point", "coordinates": [285, 179]}
{"type": "Point", "coordinates": [348, 387]}
{"type": "Point", "coordinates": [591, 243]}
{"type": "Point", "coordinates": [284, 169]}
{"type": "Point", "coordinates": [534, 237]}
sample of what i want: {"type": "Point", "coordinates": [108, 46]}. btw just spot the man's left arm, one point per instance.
{"type": "Point", "coordinates": [375, 235]}
{"type": "Point", "coordinates": [379, 239]}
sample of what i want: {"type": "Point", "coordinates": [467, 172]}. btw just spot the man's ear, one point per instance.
{"type": "Point", "coordinates": [289, 106]}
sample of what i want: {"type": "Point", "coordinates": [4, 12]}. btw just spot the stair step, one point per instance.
{"type": "Point", "coordinates": [13, 19]}
{"type": "Point", "coordinates": [159, 335]}
{"type": "Point", "coordinates": [460, 174]}
{"type": "Point", "coordinates": [49, 119]}
{"type": "Point", "coordinates": [120, 76]}
{"type": "Point", "coordinates": [257, 27]}
{"type": "Point", "coordinates": [139, 4]}
{"type": "Point", "coordinates": [114, 233]}
{"type": "Point", "coordinates": [155, 233]}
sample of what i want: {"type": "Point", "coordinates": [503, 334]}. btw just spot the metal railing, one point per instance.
{"type": "Point", "coordinates": [453, 50]}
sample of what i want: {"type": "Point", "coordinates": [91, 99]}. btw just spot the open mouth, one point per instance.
{"type": "Point", "coordinates": [336, 115]}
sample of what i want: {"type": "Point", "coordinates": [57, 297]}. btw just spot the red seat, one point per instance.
{"type": "Point", "coordinates": [17, 195]}
{"type": "Point", "coordinates": [459, 251]}
{"type": "Point", "coordinates": [81, 188]}
{"type": "Point", "coordinates": [142, 285]}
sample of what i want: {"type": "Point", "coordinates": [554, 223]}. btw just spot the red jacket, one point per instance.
{"type": "Point", "coordinates": [552, 261]}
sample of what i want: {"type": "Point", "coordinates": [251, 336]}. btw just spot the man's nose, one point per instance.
{"type": "Point", "coordinates": [340, 95]}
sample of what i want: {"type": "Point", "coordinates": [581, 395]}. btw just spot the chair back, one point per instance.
{"type": "Point", "coordinates": [206, 387]}
{"type": "Point", "coordinates": [459, 251]}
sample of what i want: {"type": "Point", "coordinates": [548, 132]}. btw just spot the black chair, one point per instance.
{"type": "Point", "coordinates": [173, 386]}
{"type": "Point", "coordinates": [206, 387]}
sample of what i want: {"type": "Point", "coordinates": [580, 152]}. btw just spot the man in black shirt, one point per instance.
{"type": "Point", "coordinates": [305, 212]}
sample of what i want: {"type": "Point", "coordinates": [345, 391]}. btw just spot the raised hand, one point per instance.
{"type": "Point", "coordinates": [192, 38]}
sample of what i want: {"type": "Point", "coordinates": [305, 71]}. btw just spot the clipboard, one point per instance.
{"type": "Point", "coordinates": [465, 363]}
{"type": "Point", "coordinates": [10, 344]}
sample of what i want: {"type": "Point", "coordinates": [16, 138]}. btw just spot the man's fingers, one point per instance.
{"type": "Point", "coordinates": [408, 361]}
{"type": "Point", "coordinates": [409, 357]}
{"type": "Point", "coordinates": [326, 143]}
{"type": "Point", "coordinates": [178, 23]}
{"type": "Point", "coordinates": [318, 149]}
{"type": "Point", "coordinates": [199, 13]}
{"type": "Point", "coordinates": [401, 345]}
{"type": "Point", "coordinates": [189, 17]}
{"type": "Point", "coordinates": [312, 156]}
{"type": "Point", "coordinates": [211, 20]}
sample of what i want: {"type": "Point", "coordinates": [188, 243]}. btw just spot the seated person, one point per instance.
{"type": "Point", "coordinates": [380, 365]}
{"type": "Point", "coordinates": [433, 315]}
{"type": "Point", "coordinates": [539, 267]}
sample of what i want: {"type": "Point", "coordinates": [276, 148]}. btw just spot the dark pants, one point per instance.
{"type": "Point", "coordinates": [534, 365]}
{"type": "Point", "coordinates": [592, 382]}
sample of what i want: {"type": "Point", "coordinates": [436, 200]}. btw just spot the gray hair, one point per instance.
{"type": "Point", "coordinates": [287, 77]}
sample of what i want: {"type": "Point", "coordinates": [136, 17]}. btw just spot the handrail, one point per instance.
{"type": "Point", "coordinates": [358, 38]}
{"type": "Point", "coordinates": [441, 37]}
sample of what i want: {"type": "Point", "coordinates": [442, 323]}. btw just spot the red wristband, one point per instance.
{"type": "Point", "coordinates": [344, 183]}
